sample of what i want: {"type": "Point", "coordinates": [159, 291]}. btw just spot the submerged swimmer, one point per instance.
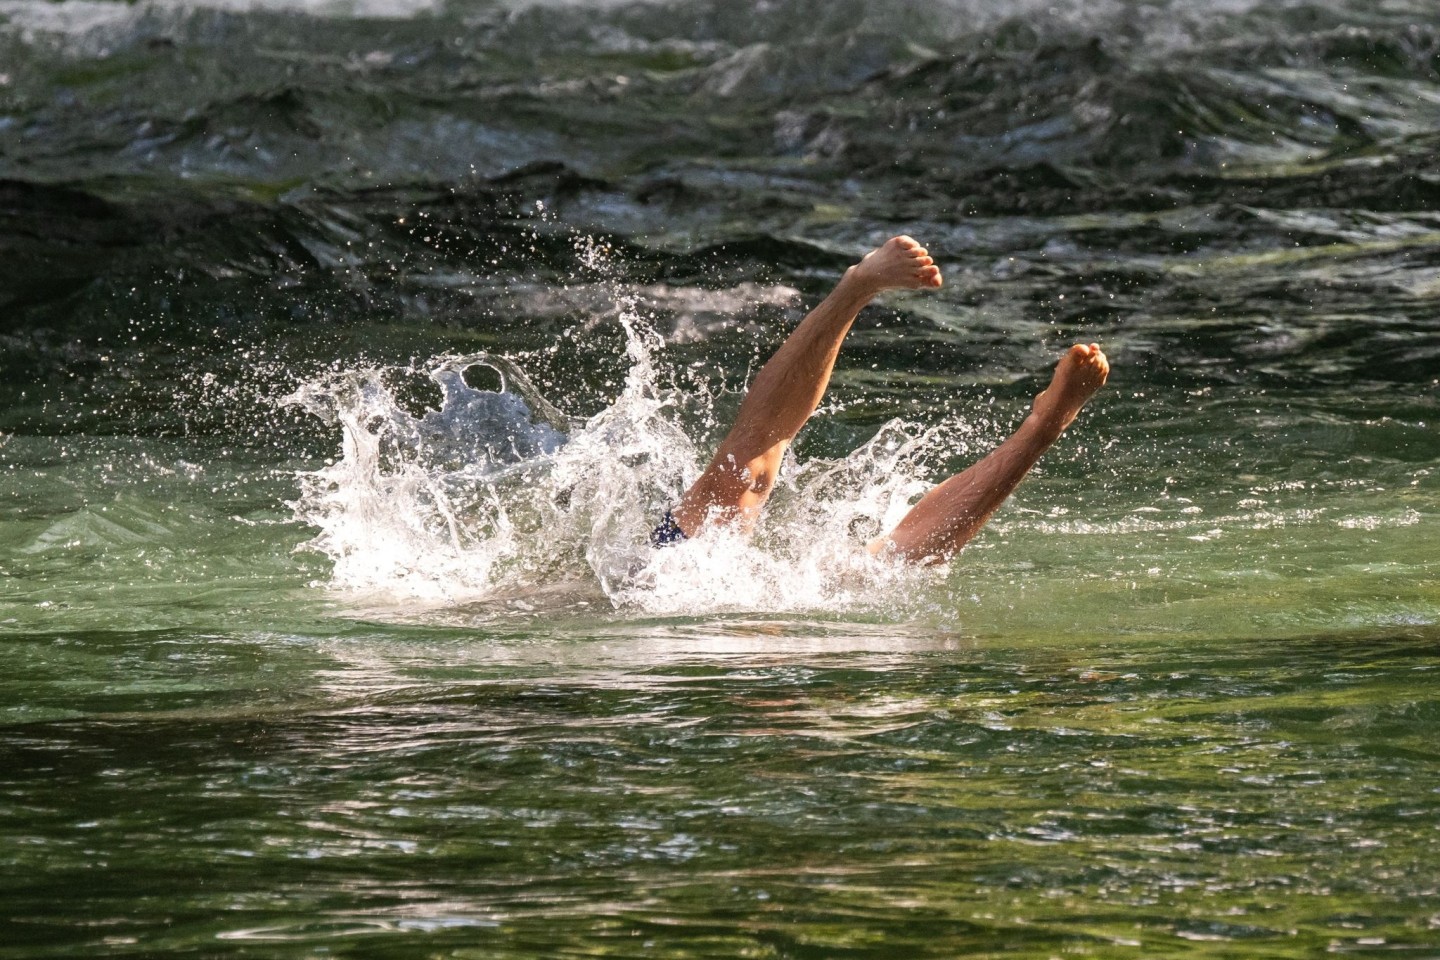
{"type": "Point", "coordinates": [788, 388]}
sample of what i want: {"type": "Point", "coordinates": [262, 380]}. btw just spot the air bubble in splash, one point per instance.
{"type": "Point", "coordinates": [499, 495]}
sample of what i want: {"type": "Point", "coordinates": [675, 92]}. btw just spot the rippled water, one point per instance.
{"type": "Point", "coordinates": [349, 351]}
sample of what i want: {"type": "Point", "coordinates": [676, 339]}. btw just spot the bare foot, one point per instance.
{"type": "Point", "coordinates": [1081, 371]}
{"type": "Point", "coordinates": [898, 264]}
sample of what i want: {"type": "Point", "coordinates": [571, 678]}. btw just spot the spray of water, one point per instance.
{"type": "Point", "coordinates": [497, 494]}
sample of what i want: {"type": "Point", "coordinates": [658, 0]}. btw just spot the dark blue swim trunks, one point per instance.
{"type": "Point", "coordinates": [668, 533]}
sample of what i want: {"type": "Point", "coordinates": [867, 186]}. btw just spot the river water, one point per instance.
{"type": "Point", "coordinates": [350, 350]}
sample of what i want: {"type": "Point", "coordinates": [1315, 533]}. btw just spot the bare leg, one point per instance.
{"type": "Point", "coordinates": [948, 516]}
{"type": "Point", "coordinates": [788, 388]}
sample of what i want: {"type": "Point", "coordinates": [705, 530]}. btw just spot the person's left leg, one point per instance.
{"type": "Point", "coordinates": [949, 515]}
{"type": "Point", "coordinates": [789, 387]}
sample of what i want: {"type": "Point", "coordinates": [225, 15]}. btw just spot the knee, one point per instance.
{"type": "Point", "coordinates": [757, 475]}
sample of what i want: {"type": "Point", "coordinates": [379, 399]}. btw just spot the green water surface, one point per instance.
{"type": "Point", "coordinates": [1179, 699]}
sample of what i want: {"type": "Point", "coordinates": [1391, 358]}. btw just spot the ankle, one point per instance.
{"type": "Point", "coordinates": [853, 288]}
{"type": "Point", "coordinates": [1045, 427]}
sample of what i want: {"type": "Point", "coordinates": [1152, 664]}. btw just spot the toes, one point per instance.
{"type": "Point", "coordinates": [930, 276]}
{"type": "Point", "coordinates": [1090, 355]}
{"type": "Point", "coordinates": [908, 246]}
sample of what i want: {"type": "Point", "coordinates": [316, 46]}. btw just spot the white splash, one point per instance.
{"type": "Point", "coordinates": [498, 495]}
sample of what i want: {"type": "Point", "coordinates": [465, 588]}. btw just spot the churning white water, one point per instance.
{"type": "Point", "coordinates": [497, 494]}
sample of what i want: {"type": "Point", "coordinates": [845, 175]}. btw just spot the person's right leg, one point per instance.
{"type": "Point", "coordinates": [948, 516]}
{"type": "Point", "coordinates": [788, 389]}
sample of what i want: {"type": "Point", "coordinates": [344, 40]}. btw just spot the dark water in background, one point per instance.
{"type": "Point", "coordinates": [1179, 699]}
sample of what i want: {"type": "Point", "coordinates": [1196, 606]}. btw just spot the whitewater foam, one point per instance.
{"type": "Point", "coordinates": [499, 494]}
